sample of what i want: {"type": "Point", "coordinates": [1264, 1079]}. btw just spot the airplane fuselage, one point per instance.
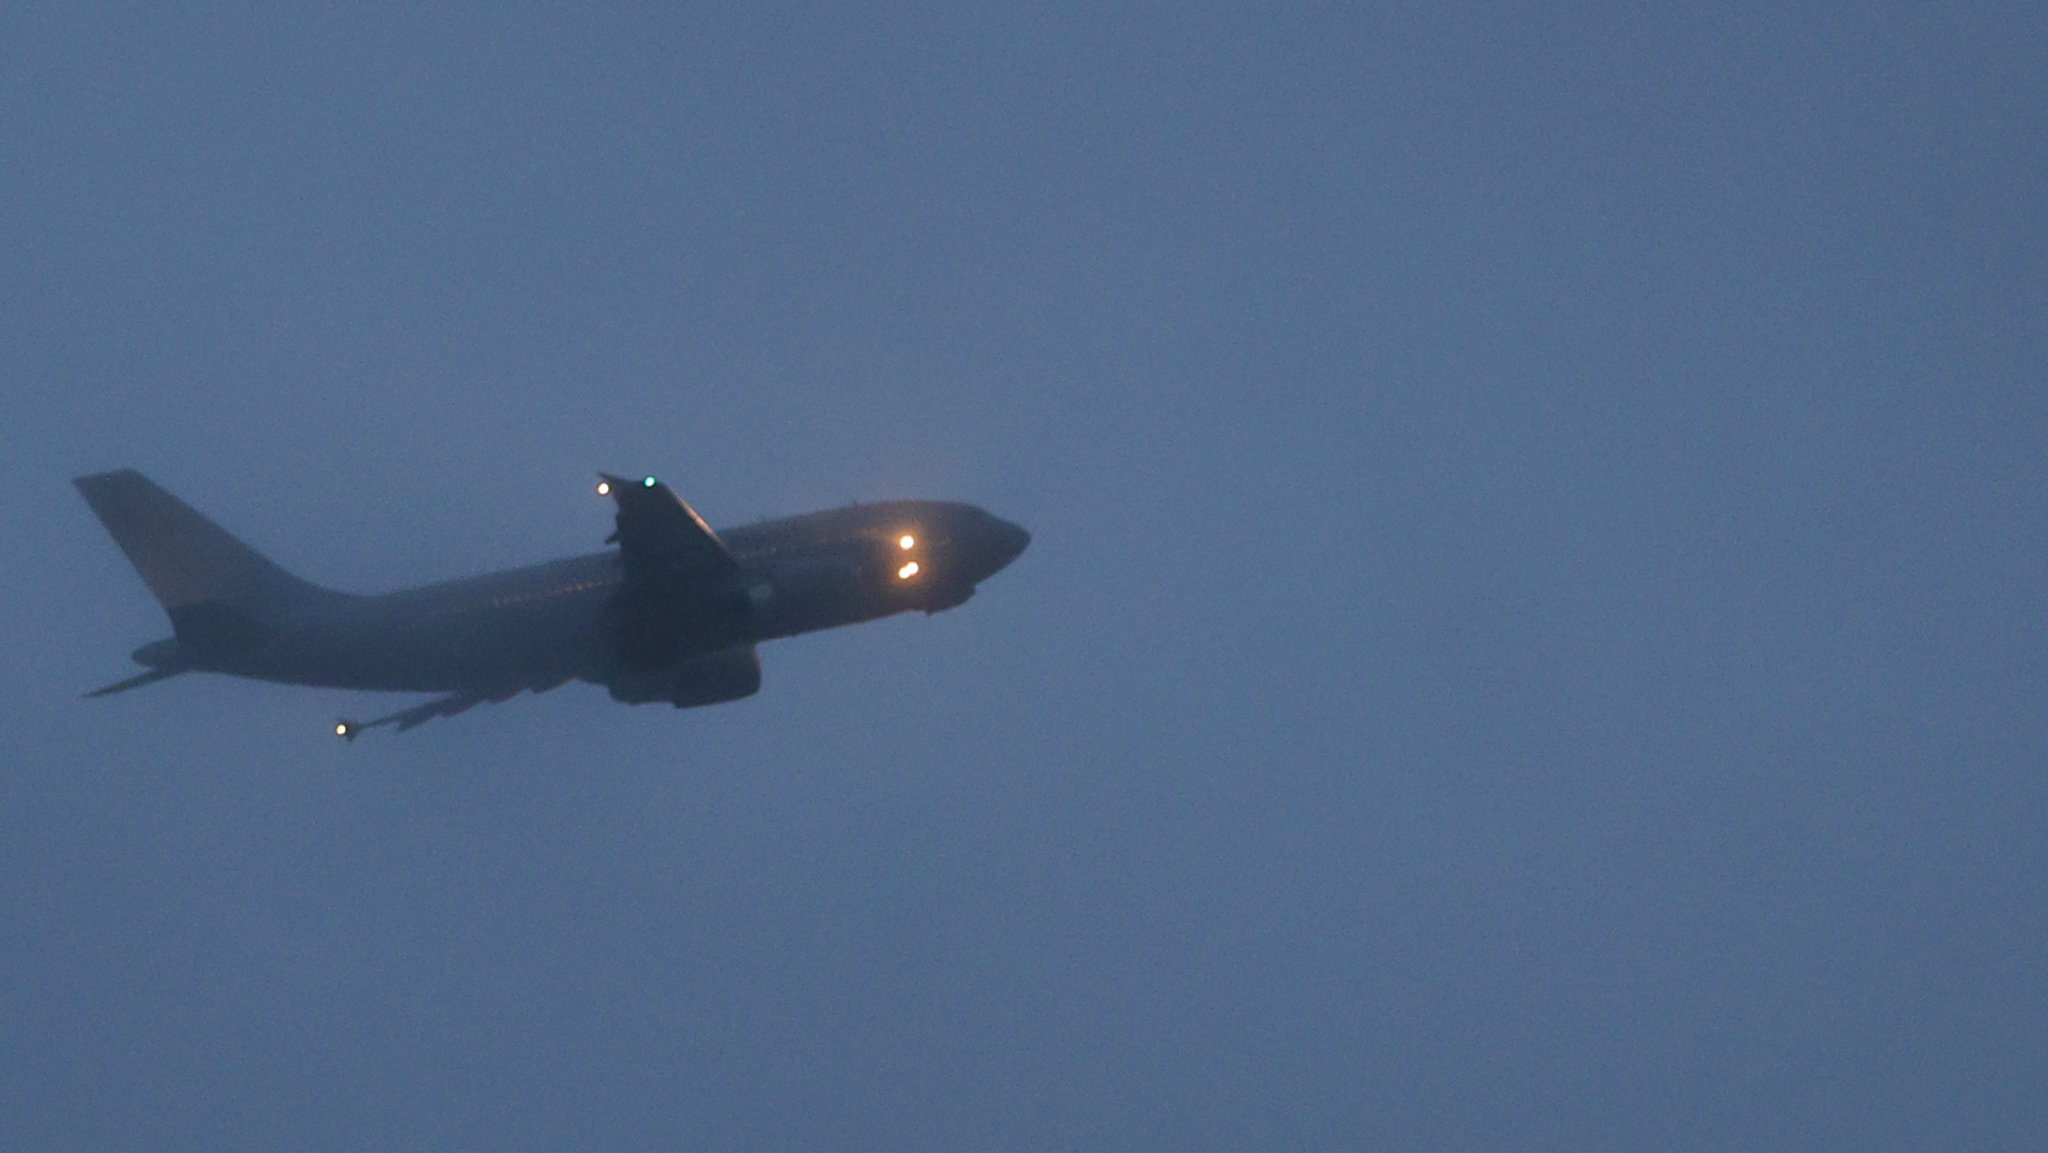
{"type": "Point", "coordinates": [548, 622]}
{"type": "Point", "coordinates": [673, 614]}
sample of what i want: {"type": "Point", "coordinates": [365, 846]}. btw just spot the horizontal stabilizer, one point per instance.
{"type": "Point", "coordinates": [137, 681]}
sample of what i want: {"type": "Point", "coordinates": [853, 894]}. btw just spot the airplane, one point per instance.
{"type": "Point", "coordinates": [672, 614]}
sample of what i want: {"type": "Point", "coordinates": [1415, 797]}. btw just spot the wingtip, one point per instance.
{"type": "Point", "coordinates": [106, 475]}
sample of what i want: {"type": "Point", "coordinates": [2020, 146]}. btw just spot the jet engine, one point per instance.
{"type": "Point", "coordinates": [709, 679]}
{"type": "Point", "coordinates": [726, 675]}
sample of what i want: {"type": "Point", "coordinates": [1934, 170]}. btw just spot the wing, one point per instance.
{"type": "Point", "coordinates": [420, 714]}
{"type": "Point", "coordinates": [662, 539]}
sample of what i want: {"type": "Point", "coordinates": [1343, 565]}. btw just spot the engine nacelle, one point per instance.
{"type": "Point", "coordinates": [717, 677]}
{"type": "Point", "coordinates": [710, 679]}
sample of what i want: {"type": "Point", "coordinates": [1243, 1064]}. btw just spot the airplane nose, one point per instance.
{"type": "Point", "coordinates": [1010, 541]}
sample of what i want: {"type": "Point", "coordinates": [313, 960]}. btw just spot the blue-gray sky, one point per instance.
{"type": "Point", "coordinates": [1534, 639]}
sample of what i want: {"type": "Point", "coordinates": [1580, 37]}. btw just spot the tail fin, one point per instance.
{"type": "Point", "coordinates": [186, 559]}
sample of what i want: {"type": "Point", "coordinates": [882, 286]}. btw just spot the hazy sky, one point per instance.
{"type": "Point", "coordinates": [1535, 636]}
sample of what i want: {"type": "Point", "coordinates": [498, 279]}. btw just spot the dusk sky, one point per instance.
{"type": "Point", "coordinates": [1536, 634]}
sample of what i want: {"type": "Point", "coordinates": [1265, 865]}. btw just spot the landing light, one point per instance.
{"type": "Point", "coordinates": [906, 542]}
{"type": "Point", "coordinates": [907, 571]}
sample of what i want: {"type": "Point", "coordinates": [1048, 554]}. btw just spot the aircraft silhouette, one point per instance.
{"type": "Point", "coordinates": [672, 614]}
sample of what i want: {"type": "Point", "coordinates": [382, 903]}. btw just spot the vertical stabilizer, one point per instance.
{"type": "Point", "coordinates": [186, 559]}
